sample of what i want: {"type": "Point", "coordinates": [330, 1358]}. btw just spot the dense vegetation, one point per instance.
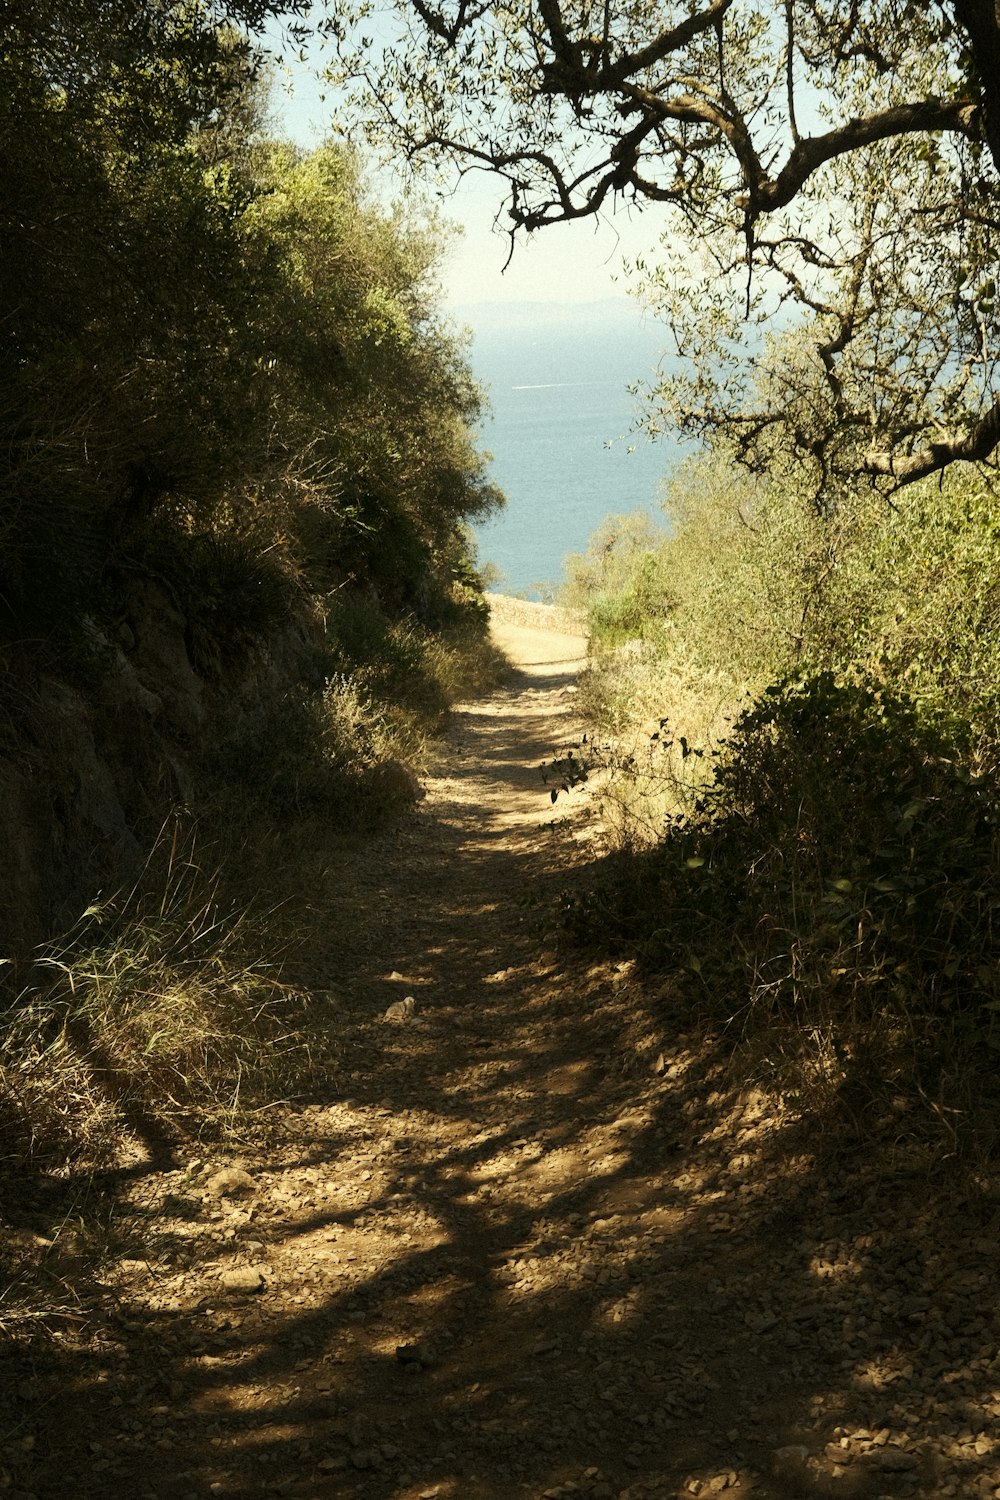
{"type": "Point", "coordinates": [236, 593]}
{"type": "Point", "coordinates": [806, 712]}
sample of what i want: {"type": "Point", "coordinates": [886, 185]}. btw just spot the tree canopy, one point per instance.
{"type": "Point", "coordinates": [209, 337]}
{"type": "Point", "coordinates": [834, 164]}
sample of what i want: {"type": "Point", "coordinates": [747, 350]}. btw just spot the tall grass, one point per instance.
{"type": "Point", "coordinates": [163, 1013]}
{"type": "Point", "coordinates": [349, 748]}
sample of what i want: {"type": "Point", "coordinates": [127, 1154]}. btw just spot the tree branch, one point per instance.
{"type": "Point", "coordinates": [978, 443]}
{"type": "Point", "coordinates": [807, 155]}
{"type": "Point", "coordinates": [666, 43]}
{"type": "Point", "coordinates": [764, 193]}
{"type": "Point", "coordinates": [981, 19]}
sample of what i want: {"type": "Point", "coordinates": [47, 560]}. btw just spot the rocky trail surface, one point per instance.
{"type": "Point", "coordinates": [530, 1243]}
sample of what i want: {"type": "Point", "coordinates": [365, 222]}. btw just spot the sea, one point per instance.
{"type": "Point", "coordinates": [562, 430]}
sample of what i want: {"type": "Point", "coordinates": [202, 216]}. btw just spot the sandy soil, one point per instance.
{"type": "Point", "coordinates": [528, 1242]}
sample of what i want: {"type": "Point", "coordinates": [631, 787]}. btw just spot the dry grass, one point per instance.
{"type": "Point", "coordinates": [154, 1016]}
{"type": "Point", "coordinates": [166, 1012]}
{"type": "Point", "coordinates": [659, 718]}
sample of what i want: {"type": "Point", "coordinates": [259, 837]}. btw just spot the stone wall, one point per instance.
{"type": "Point", "coordinates": [534, 616]}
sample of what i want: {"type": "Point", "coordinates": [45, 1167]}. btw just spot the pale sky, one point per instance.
{"type": "Point", "coordinates": [579, 262]}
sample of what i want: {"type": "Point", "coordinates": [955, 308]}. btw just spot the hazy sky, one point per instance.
{"type": "Point", "coordinates": [578, 262]}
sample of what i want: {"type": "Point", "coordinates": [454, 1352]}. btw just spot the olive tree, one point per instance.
{"type": "Point", "coordinates": [860, 338]}
{"type": "Point", "coordinates": [833, 158]}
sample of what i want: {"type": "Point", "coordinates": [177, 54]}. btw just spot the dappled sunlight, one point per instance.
{"type": "Point", "coordinates": [527, 1242]}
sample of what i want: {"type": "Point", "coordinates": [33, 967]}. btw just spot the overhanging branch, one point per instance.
{"type": "Point", "coordinates": [923, 115]}
{"type": "Point", "coordinates": [979, 442]}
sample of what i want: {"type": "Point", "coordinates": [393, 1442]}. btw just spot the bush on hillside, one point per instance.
{"type": "Point", "coordinates": [832, 892]}
{"type": "Point", "coordinates": [816, 811]}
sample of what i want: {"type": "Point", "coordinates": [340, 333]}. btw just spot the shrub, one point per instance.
{"type": "Point", "coordinates": [806, 754]}
{"type": "Point", "coordinates": [832, 891]}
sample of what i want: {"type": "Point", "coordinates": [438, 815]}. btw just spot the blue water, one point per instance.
{"type": "Point", "coordinates": [560, 433]}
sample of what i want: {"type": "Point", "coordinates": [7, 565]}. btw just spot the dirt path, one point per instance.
{"type": "Point", "coordinates": [528, 1245]}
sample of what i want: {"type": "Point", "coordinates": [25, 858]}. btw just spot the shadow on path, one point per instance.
{"type": "Point", "coordinates": [527, 1244]}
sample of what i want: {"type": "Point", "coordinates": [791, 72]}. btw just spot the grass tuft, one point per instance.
{"type": "Point", "coordinates": [153, 1016]}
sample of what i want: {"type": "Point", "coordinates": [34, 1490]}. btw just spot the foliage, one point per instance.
{"type": "Point", "coordinates": [239, 462]}
{"type": "Point", "coordinates": [810, 834]}
{"type": "Point", "coordinates": [207, 333]}
{"type": "Point", "coordinates": [760, 586]}
{"type": "Point", "coordinates": [830, 899]}
{"type": "Point", "coordinates": [620, 581]}
{"type": "Point", "coordinates": [229, 377]}
{"type": "Point", "coordinates": [827, 163]}
{"type": "Point", "coordinates": [377, 401]}
{"type": "Point", "coordinates": [864, 337]}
